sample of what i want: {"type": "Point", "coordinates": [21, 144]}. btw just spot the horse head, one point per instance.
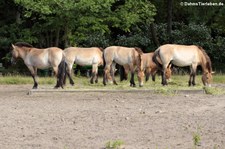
{"type": "Point", "coordinates": [168, 72]}
{"type": "Point", "coordinates": [141, 71]}
{"type": "Point", "coordinates": [207, 78]}
{"type": "Point", "coordinates": [15, 54]}
{"type": "Point", "coordinates": [17, 50]}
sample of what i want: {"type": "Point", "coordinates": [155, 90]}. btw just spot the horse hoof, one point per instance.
{"type": "Point", "coordinates": [132, 85]}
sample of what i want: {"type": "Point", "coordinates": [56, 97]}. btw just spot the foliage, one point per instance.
{"type": "Point", "coordinates": [197, 34]}
{"type": "Point", "coordinates": [102, 23]}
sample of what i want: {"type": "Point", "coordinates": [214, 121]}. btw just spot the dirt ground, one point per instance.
{"type": "Point", "coordinates": [88, 120]}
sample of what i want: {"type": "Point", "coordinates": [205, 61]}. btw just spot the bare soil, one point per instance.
{"type": "Point", "coordinates": [87, 120]}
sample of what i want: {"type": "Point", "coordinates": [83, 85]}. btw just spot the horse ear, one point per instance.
{"type": "Point", "coordinates": [13, 46]}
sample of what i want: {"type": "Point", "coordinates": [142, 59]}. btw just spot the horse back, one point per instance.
{"type": "Point", "coordinates": [121, 55]}
{"type": "Point", "coordinates": [180, 55]}
{"type": "Point", "coordinates": [147, 60]}
{"type": "Point", "coordinates": [43, 58]}
{"type": "Point", "coordinates": [84, 56]}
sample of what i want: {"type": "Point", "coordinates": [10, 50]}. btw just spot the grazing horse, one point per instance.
{"type": "Point", "coordinates": [122, 56]}
{"type": "Point", "coordinates": [147, 67]}
{"type": "Point", "coordinates": [83, 57]}
{"type": "Point", "coordinates": [38, 59]}
{"type": "Point", "coordinates": [182, 55]}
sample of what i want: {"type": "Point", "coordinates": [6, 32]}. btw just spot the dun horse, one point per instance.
{"type": "Point", "coordinates": [122, 56]}
{"type": "Point", "coordinates": [147, 67]}
{"type": "Point", "coordinates": [39, 59]}
{"type": "Point", "coordinates": [182, 55]}
{"type": "Point", "coordinates": [84, 57]}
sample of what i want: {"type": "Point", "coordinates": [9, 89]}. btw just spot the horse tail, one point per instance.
{"type": "Point", "coordinates": [61, 76]}
{"type": "Point", "coordinates": [155, 60]}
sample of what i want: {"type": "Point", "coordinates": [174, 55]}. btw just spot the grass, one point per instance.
{"type": "Point", "coordinates": [177, 82]}
{"type": "Point", "coordinates": [116, 144]}
{"type": "Point", "coordinates": [197, 137]}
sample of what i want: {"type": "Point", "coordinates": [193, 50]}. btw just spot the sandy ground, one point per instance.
{"type": "Point", "coordinates": [87, 120]}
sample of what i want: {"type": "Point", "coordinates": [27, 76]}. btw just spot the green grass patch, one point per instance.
{"type": "Point", "coordinates": [116, 144]}
{"type": "Point", "coordinates": [214, 90]}
{"type": "Point", "coordinates": [177, 82]}
{"type": "Point", "coordinates": [17, 79]}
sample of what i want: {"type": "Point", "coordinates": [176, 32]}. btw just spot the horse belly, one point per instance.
{"type": "Point", "coordinates": [183, 61]}
{"type": "Point", "coordinates": [40, 63]}
{"type": "Point", "coordinates": [122, 61]}
{"type": "Point", "coordinates": [84, 61]}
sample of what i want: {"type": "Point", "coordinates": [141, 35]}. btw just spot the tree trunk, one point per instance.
{"type": "Point", "coordinates": [57, 37]}
{"type": "Point", "coordinates": [154, 36]}
{"type": "Point", "coordinates": [18, 18]}
{"type": "Point", "coordinates": [169, 19]}
{"type": "Point", "coordinates": [66, 33]}
{"type": "Point", "coordinates": [47, 39]}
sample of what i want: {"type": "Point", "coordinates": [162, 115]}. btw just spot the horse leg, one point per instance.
{"type": "Point", "coordinates": [96, 78]}
{"type": "Point", "coordinates": [192, 75]}
{"type": "Point", "coordinates": [94, 71]}
{"type": "Point", "coordinates": [33, 71]}
{"type": "Point", "coordinates": [126, 72]}
{"type": "Point", "coordinates": [106, 73]}
{"type": "Point", "coordinates": [193, 81]}
{"type": "Point", "coordinates": [69, 72]}
{"type": "Point", "coordinates": [55, 70]}
{"type": "Point", "coordinates": [153, 76]}
{"type": "Point", "coordinates": [96, 75]}
{"type": "Point", "coordinates": [132, 70]}
{"type": "Point", "coordinates": [147, 74]}
{"type": "Point", "coordinates": [113, 68]}
{"type": "Point", "coordinates": [164, 82]}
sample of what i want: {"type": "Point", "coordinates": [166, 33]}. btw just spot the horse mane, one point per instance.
{"type": "Point", "coordinates": [208, 61]}
{"type": "Point", "coordinates": [23, 44]}
{"type": "Point", "coordinates": [138, 50]}
{"type": "Point", "coordinates": [101, 49]}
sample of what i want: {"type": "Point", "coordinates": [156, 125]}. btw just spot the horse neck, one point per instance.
{"type": "Point", "coordinates": [205, 64]}
{"type": "Point", "coordinates": [23, 52]}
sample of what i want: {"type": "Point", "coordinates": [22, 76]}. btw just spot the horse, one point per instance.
{"type": "Point", "coordinates": [35, 58]}
{"type": "Point", "coordinates": [83, 57]}
{"type": "Point", "coordinates": [184, 55]}
{"type": "Point", "coordinates": [122, 56]}
{"type": "Point", "coordinates": [147, 68]}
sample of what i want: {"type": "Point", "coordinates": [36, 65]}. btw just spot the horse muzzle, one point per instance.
{"type": "Point", "coordinates": [141, 84]}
